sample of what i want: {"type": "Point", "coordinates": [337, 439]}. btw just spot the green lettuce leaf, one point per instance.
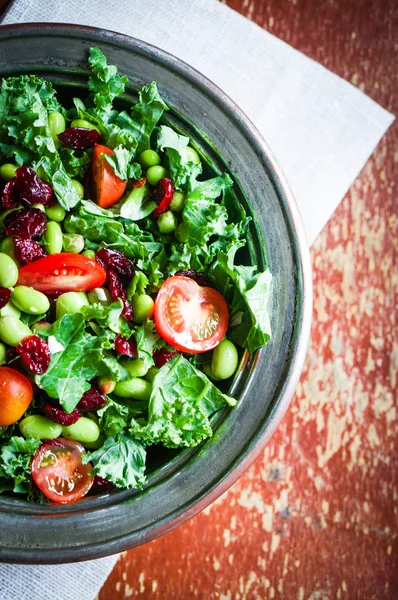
{"type": "Point", "coordinates": [147, 340]}
{"type": "Point", "coordinates": [105, 82]}
{"type": "Point", "coordinates": [75, 166]}
{"type": "Point", "coordinates": [15, 458]}
{"type": "Point", "coordinates": [121, 163]}
{"type": "Point", "coordinates": [137, 204]}
{"type": "Point", "coordinates": [182, 170]}
{"type": "Point", "coordinates": [180, 405]}
{"type": "Point", "coordinates": [108, 317]}
{"type": "Point", "coordinates": [120, 460]}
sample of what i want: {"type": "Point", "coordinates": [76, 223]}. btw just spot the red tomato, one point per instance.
{"type": "Point", "coordinates": [108, 188]}
{"type": "Point", "coordinates": [58, 471]}
{"type": "Point", "coordinates": [189, 317]}
{"type": "Point", "coordinates": [15, 395]}
{"type": "Point", "coordinates": [64, 272]}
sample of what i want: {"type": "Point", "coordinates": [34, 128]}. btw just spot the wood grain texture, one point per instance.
{"type": "Point", "coordinates": [315, 517]}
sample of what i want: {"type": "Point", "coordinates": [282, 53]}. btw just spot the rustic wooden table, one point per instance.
{"type": "Point", "coordinates": [315, 517]}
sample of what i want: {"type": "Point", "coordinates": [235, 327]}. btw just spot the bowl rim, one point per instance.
{"type": "Point", "coordinates": [301, 334]}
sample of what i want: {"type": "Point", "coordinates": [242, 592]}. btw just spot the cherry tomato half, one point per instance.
{"type": "Point", "coordinates": [189, 317]}
{"type": "Point", "coordinates": [64, 272]}
{"type": "Point", "coordinates": [108, 188]}
{"type": "Point", "coordinates": [15, 395]}
{"type": "Point", "coordinates": [58, 471]}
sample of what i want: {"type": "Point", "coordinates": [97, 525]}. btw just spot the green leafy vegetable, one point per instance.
{"type": "Point", "coordinates": [121, 163]}
{"type": "Point", "coordinates": [147, 340]}
{"type": "Point", "coordinates": [16, 456]}
{"type": "Point", "coordinates": [182, 170]}
{"type": "Point", "coordinates": [138, 204]}
{"type": "Point", "coordinates": [108, 317]}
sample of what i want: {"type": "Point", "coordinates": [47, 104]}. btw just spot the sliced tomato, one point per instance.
{"type": "Point", "coordinates": [64, 272]}
{"type": "Point", "coordinates": [108, 188]}
{"type": "Point", "coordinates": [189, 317]}
{"type": "Point", "coordinates": [58, 471]}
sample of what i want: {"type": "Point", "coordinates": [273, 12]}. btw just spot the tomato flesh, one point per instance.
{"type": "Point", "coordinates": [58, 471]}
{"type": "Point", "coordinates": [107, 187]}
{"type": "Point", "coordinates": [189, 317]}
{"type": "Point", "coordinates": [64, 272]}
{"type": "Point", "coordinates": [16, 394]}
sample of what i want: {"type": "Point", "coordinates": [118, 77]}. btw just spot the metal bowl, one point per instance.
{"type": "Point", "coordinates": [179, 484]}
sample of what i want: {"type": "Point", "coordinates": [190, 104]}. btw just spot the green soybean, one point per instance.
{"type": "Point", "coordinates": [78, 187]}
{"type": "Point", "coordinates": [136, 388]}
{"type": "Point", "coordinates": [143, 307]}
{"type": "Point", "coordinates": [89, 254]}
{"type": "Point", "coordinates": [181, 233]}
{"type": "Point", "coordinates": [193, 156]}
{"type": "Point", "coordinates": [224, 360]}
{"type": "Point", "coordinates": [70, 303]}
{"type": "Point", "coordinates": [7, 246]}
{"type": "Point", "coordinates": [8, 271]}
{"type": "Point", "coordinates": [207, 370]}
{"type": "Point", "coordinates": [10, 310]}
{"type": "Point", "coordinates": [95, 445]}
{"type": "Point", "coordinates": [55, 213]}
{"type": "Point", "coordinates": [39, 427]}
{"type": "Point", "coordinates": [29, 300]}
{"type": "Point", "coordinates": [73, 242]}
{"type": "Point", "coordinates": [100, 296]}
{"type": "Point", "coordinates": [7, 171]}
{"type": "Point", "coordinates": [135, 366]}
{"type": "Point", "coordinates": [84, 430]}
{"type": "Point", "coordinates": [53, 238]}
{"type": "Point", "coordinates": [56, 124]}
{"type": "Point", "coordinates": [105, 384]}
{"type": "Point", "coordinates": [12, 330]}
{"type": "Point", "coordinates": [155, 174]}
{"type": "Point", "coordinates": [3, 354]}
{"type": "Point", "coordinates": [151, 374]}
{"type": "Point", "coordinates": [149, 158]}
{"type": "Point", "coordinates": [167, 222]}
{"type": "Point", "coordinates": [178, 201]}
{"type": "Point", "coordinates": [41, 327]}
{"type": "Point", "coordinates": [83, 124]}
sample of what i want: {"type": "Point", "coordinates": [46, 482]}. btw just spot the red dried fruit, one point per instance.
{"type": "Point", "coordinates": [162, 356]}
{"type": "Point", "coordinates": [25, 223]}
{"type": "Point", "coordinates": [58, 415]}
{"type": "Point", "coordinates": [117, 291]}
{"type": "Point", "coordinates": [125, 346]}
{"type": "Point", "coordinates": [92, 400]}
{"type": "Point", "coordinates": [163, 195]}
{"type": "Point", "coordinates": [113, 260]}
{"type": "Point", "coordinates": [9, 195]}
{"type": "Point", "coordinates": [35, 354]}
{"type": "Point", "coordinates": [139, 183]}
{"type": "Point", "coordinates": [12, 354]}
{"type": "Point", "coordinates": [27, 251]}
{"type": "Point", "coordinates": [101, 486]}
{"type": "Point", "coordinates": [53, 442]}
{"type": "Point", "coordinates": [5, 295]}
{"type": "Point", "coordinates": [31, 188]}
{"type": "Point", "coordinates": [200, 278]}
{"type": "Point", "coordinates": [79, 138]}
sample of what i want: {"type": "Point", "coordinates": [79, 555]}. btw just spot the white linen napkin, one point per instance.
{"type": "Point", "coordinates": [320, 128]}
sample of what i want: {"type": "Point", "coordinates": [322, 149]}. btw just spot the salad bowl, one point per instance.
{"type": "Point", "coordinates": [179, 483]}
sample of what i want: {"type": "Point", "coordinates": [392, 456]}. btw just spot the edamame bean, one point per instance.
{"type": "Point", "coordinates": [167, 222]}
{"type": "Point", "coordinates": [78, 187]}
{"type": "Point", "coordinates": [10, 310]}
{"type": "Point", "coordinates": [7, 171]}
{"type": "Point", "coordinates": [53, 238]}
{"type": "Point", "coordinates": [135, 366]}
{"type": "Point", "coordinates": [181, 233]}
{"type": "Point", "coordinates": [143, 307]}
{"type": "Point", "coordinates": [155, 174]}
{"type": "Point", "coordinates": [84, 124]}
{"type": "Point", "coordinates": [100, 296]}
{"type": "Point", "coordinates": [207, 371]}
{"type": "Point", "coordinates": [56, 124]}
{"type": "Point", "coordinates": [149, 158]}
{"type": "Point", "coordinates": [12, 330]}
{"type": "Point", "coordinates": [150, 376]}
{"type": "Point", "coordinates": [178, 201]}
{"type": "Point", "coordinates": [3, 354]}
{"type": "Point", "coordinates": [41, 327]}
{"type": "Point", "coordinates": [7, 246]}
{"type": "Point", "coordinates": [70, 303]}
{"type": "Point", "coordinates": [8, 271]}
{"type": "Point", "coordinates": [84, 430]}
{"type": "Point", "coordinates": [89, 254]}
{"type": "Point", "coordinates": [29, 300]}
{"type": "Point", "coordinates": [193, 156]}
{"type": "Point", "coordinates": [39, 427]}
{"type": "Point", "coordinates": [95, 445]}
{"type": "Point", "coordinates": [73, 242]}
{"type": "Point", "coordinates": [55, 213]}
{"type": "Point", "coordinates": [136, 388]}
{"type": "Point", "coordinates": [224, 360]}
{"type": "Point", "coordinates": [106, 385]}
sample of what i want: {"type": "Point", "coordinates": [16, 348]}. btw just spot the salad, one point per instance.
{"type": "Point", "coordinates": [124, 309]}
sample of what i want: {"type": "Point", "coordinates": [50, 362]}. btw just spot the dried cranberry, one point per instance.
{"type": "Point", "coordinates": [79, 138]}
{"type": "Point", "coordinates": [58, 415]}
{"type": "Point", "coordinates": [9, 195]}
{"type": "Point", "coordinates": [25, 223]}
{"type": "Point", "coordinates": [101, 486]}
{"type": "Point", "coordinates": [5, 295]}
{"type": "Point", "coordinates": [113, 260]}
{"type": "Point", "coordinates": [162, 356]}
{"type": "Point", "coordinates": [27, 251]}
{"type": "Point", "coordinates": [117, 291]}
{"type": "Point", "coordinates": [12, 354]}
{"type": "Point", "coordinates": [200, 278]}
{"type": "Point", "coordinates": [92, 400]}
{"type": "Point", "coordinates": [35, 354]}
{"type": "Point", "coordinates": [163, 195]}
{"type": "Point", "coordinates": [125, 346]}
{"type": "Point", "coordinates": [31, 188]}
